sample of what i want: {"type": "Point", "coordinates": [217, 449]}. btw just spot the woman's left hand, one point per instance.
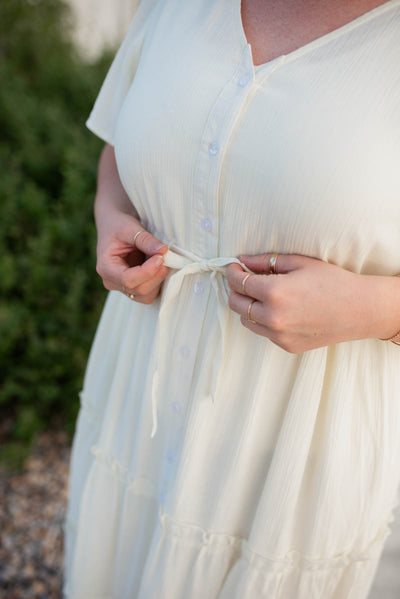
{"type": "Point", "coordinates": [308, 303]}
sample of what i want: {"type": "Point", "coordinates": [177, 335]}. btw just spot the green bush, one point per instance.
{"type": "Point", "coordinates": [51, 296]}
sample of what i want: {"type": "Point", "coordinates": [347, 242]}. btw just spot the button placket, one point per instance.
{"type": "Point", "coordinates": [184, 351]}
{"type": "Point", "coordinates": [176, 407]}
{"type": "Point", "coordinates": [198, 288]}
{"type": "Point", "coordinates": [214, 145]}
{"type": "Point", "coordinates": [174, 412]}
{"type": "Point", "coordinates": [170, 456]}
{"type": "Point", "coordinates": [216, 134]}
{"type": "Point", "coordinates": [213, 148]}
{"type": "Point", "coordinates": [244, 80]}
{"type": "Point", "coordinates": [206, 225]}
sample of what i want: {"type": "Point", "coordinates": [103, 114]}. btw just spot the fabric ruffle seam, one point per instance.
{"type": "Point", "coordinates": [291, 559]}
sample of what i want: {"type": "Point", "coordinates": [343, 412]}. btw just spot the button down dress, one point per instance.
{"type": "Point", "coordinates": [208, 462]}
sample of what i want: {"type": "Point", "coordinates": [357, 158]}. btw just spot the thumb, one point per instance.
{"type": "Point", "coordinates": [147, 243]}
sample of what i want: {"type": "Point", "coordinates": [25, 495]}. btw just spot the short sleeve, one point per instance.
{"type": "Point", "coordinates": [103, 117]}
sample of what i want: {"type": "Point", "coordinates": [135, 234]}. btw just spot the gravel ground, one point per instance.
{"type": "Point", "coordinates": [32, 510]}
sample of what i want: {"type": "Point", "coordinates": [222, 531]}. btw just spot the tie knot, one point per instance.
{"type": "Point", "coordinates": [209, 265]}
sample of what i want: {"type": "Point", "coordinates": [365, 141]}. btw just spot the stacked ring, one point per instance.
{"type": "Point", "coordinates": [137, 235]}
{"type": "Point", "coordinates": [130, 295]}
{"type": "Point", "coordinates": [244, 283]}
{"type": "Point", "coordinates": [249, 312]}
{"type": "Point", "coordinates": [272, 264]}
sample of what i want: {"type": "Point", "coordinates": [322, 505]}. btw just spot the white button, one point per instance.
{"type": "Point", "coordinates": [177, 407]}
{"type": "Point", "coordinates": [213, 148]}
{"type": "Point", "coordinates": [170, 455]}
{"type": "Point", "coordinates": [184, 351]}
{"type": "Point", "coordinates": [198, 288]}
{"type": "Point", "coordinates": [243, 81]}
{"type": "Point", "coordinates": [206, 224]}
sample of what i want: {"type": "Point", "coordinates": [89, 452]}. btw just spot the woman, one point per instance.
{"type": "Point", "coordinates": [239, 431]}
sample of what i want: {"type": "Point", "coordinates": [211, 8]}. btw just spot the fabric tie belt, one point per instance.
{"type": "Point", "coordinates": [186, 263]}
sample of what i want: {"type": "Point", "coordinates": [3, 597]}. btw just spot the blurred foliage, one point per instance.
{"type": "Point", "coordinates": [50, 294]}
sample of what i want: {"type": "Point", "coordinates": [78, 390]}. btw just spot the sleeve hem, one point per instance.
{"type": "Point", "coordinates": [94, 128]}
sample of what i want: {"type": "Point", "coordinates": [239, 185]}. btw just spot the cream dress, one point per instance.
{"type": "Point", "coordinates": [209, 463]}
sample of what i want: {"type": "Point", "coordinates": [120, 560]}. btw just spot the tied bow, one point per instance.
{"type": "Point", "coordinates": [186, 263]}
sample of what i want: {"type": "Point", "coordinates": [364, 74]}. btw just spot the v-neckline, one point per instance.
{"type": "Point", "coordinates": [319, 41]}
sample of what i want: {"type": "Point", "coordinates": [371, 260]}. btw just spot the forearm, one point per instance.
{"type": "Point", "coordinates": [110, 195]}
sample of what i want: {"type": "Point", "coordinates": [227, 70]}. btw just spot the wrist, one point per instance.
{"type": "Point", "coordinates": [384, 306]}
{"type": "Point", "coordinates": [105, 205]}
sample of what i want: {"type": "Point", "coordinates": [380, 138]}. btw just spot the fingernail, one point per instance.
{"type": "Point", "coordinates": [159, 260]}
{"type": "Point", "coordinates": [157, 246]}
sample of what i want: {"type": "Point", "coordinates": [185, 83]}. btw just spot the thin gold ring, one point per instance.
{"type": "Point", "coordinates": [249, 312]}
{"type": "Point", "coordinates": [244, 283]}
{"type": "Point", "coordinates": [272, 264]}
{"type": "Point", "coordinates": [130, 295]}
{"type": "Point", "coordinates": [137, 235]}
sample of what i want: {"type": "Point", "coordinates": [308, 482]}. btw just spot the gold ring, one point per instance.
{"type": "Point", "coordinates": [137, 235]}
{"type": "Point", "coordinates": [130, 295]}
{"type": "Point", "coordinates": [244, 283]}
{"type": "Point", "coordinates": [249, 312]}
{"type": "Point", "coordinates": [272, 264]}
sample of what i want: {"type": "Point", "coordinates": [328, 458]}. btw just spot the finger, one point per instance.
{"type": "Point", "coordinates": [116, 273]}
{"type": "Point", "coordinates": [147, 243]}
{"type": "Point", "coordinates": [131, 278]}
{"type": "Point", "coordinates": [246, 307]}
{"type": "Point", "coordinates": [144, 299]}
{"type": "Point", "coordinates": [234, 275]}
{"type": "Point", "coordinates": [255, 285]}
{"type": "Point", "coordinates": [152, 285]}
{"type": "Point", "coordinates": [263, 263]}
{"type": "Point", "coordinates": [111, 285]}
{"type": "Point", "coordinates": [254, 327]}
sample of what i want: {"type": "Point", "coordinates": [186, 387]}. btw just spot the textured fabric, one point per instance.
{"type": "Point", "coordinates": [209, 463]}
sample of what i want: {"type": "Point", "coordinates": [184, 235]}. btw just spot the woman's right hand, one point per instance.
{"type": "Point", "coordinates": [133, 265]}
{"type": "Point", "coordinates": [124, 265]}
